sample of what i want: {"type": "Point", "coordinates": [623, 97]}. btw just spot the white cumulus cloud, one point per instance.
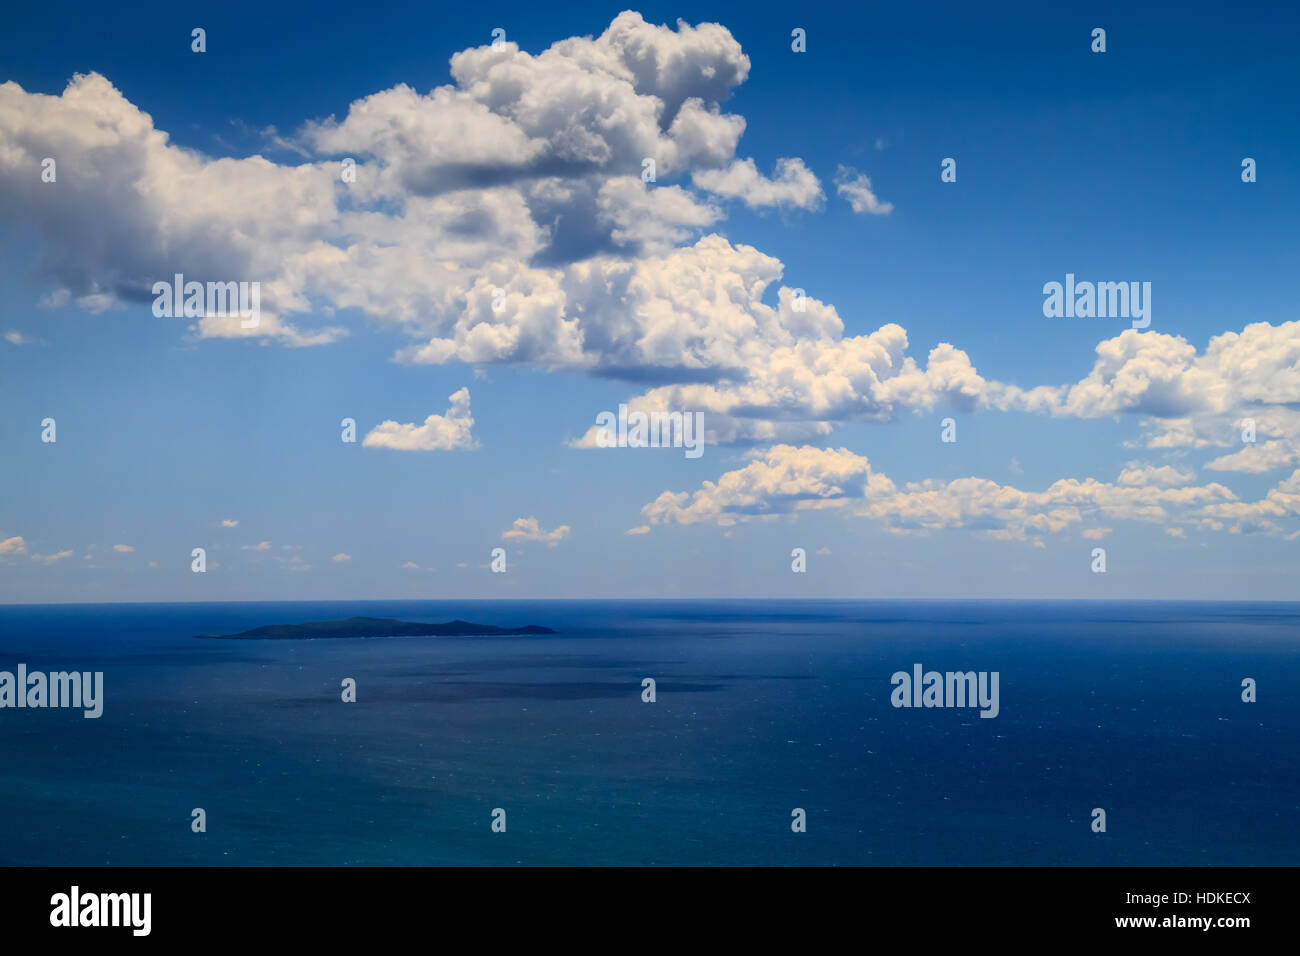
{"type": "Point", "coordinates": [438, 433]}
{"type": "Point", "coordinates": [528, 529]}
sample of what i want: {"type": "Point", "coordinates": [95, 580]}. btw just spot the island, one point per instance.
{"type": "Point", "coordinates": [377, 627]}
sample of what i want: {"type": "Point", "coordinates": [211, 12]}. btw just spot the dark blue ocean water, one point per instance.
{"type": "Point", "coordinates": [762, 707]}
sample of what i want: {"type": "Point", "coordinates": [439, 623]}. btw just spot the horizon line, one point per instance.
{"type": "Point", "coordinates": [678, 600]}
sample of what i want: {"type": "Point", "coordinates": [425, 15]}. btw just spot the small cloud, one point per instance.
{"type": "Point", "coordinates": [1175, 532]}
{"type": "Point", "coordinates": [260, 546]}
{"type": "Point", "coordinates": [14, 545]}
{"type": "Point", "coordinates": [1137, 474]}
{"type": "Point", "coordinates": [341, 557]}
{"type": "Point", "coordinates": [123, 548]}
{"type": "Point", "coordinates": [793, 185]}
{"type": "Point", "coordinates": [823, 551]}
{"type": "Point", "coordinates": [48, 559]}
{"type": "Point", "coordinates": [1015, 467]}
{"type": "Point", "coordinates": [639, 529]}
{"type": "Point", "coordinates": [14, 337]}
{"type": "Point", "coordinates": [153, 564]}
{"type": "Point", "coordinates": [410, 566]}
{"type": "Point", "coordinates": [1096, 534]}
{"type": "Point", "coordinates": [856, 188]}
{"type": "Point", "coordinates": [269, 327]}
{"type": "Point", "coordinates": [229, 523]}
{"type": "Point", "coordinates": [453, 429]}
{"type": "Point", "coordinates": [528, 529]}
{"type": "Point", "coordinates": [271, 136]}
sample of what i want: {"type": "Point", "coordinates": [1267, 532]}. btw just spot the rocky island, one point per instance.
{"type": "Point", "coordinates": [377, 627]}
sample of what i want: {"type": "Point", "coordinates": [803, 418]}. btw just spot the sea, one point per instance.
{"type": "Point", "coordinates": [772, 738]}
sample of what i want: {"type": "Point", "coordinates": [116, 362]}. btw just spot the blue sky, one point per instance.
{"type": "Point", "coordinates": [524, 172]}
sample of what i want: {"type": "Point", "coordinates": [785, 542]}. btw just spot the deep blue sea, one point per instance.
{"type": "Point", "coordinates": [762, 707]}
